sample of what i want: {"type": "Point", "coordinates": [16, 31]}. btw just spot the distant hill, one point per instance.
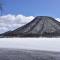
{"type": "Point", "coordinates": [44, 26]}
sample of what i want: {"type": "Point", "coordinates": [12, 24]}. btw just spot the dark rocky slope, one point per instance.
{"type": "Point", "coordinates": [20, 54]}
{"type": "Point", "coordinates": [44, 26]}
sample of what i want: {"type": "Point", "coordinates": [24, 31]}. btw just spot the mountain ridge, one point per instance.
{"type": "Point", "coordinates": [40, 26]}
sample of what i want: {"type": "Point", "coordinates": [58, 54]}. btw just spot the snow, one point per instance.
{"type": "Point", "coordinates": [50, 44]}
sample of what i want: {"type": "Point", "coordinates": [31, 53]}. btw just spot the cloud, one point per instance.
{"type": "Point", "coordinates": [11, 22]}
{"type": "Point", "coordinates": [58, 19]}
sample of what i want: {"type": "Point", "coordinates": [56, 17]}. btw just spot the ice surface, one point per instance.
{"type": "Point", "coordinates": [51, 44]}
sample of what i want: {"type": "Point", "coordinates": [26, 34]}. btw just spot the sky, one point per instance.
{"type": "Point", "coordinates": [19, 12]}
{"type": "Point", "coordinates": [12, 22]}
{"type": "Point", "coordinates": [32, 7]}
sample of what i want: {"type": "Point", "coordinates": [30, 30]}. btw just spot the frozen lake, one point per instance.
{"type": "Point", "coordinates": [51, 44]}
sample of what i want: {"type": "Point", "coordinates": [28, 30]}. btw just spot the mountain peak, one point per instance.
{"type": "Point", "coordinates": [44, 17]}
{"type": "Point", "coordinates": [40, 26]}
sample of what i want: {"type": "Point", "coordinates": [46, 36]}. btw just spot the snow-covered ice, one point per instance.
{"type": "Point", "coordinates": [50, 44]}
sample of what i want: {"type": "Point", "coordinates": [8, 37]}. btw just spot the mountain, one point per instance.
{"type": "Point", "coordinates": [44, 26]}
